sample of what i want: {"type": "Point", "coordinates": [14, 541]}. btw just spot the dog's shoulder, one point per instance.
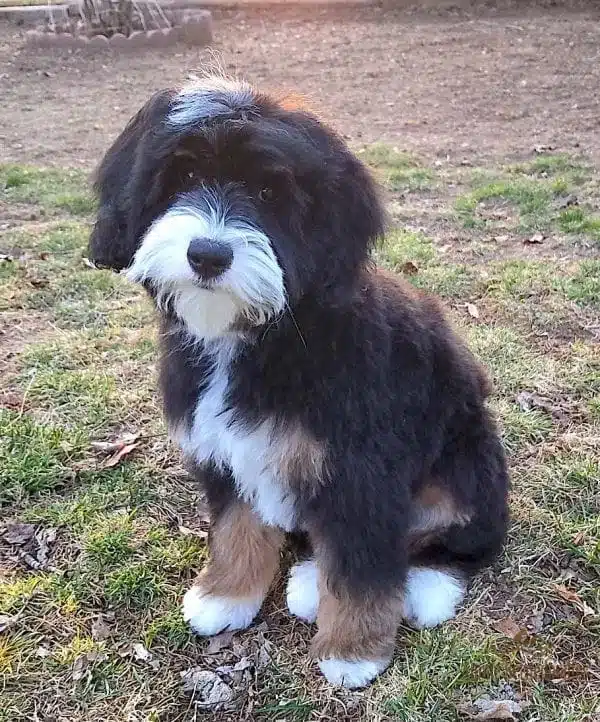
{"type": "Point", "coordinates": [419, 318]}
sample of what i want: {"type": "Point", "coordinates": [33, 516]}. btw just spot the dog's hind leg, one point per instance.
{"type": "Point", "coordinates": [460, 520]}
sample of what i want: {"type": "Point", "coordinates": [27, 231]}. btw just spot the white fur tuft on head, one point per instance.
{"type": "Point", "coordinates": [210, 97]}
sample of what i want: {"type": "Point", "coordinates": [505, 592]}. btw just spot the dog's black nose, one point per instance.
{"type": "Point", "coordinates": [209, 258]}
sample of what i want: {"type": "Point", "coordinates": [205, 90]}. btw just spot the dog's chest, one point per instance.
{"type": "Point", "coordinates": [255, 456]}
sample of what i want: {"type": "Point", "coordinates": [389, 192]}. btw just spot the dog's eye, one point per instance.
{"type": "Point", "coordinates": [265, 194]}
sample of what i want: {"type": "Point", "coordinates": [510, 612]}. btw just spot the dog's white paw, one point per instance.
{"type": "Point", "coordinates": [352, 673]}
{"type": "Point", "coordinates": [303, 591]}
{"type": "Point", "coordinates": [431, 596]}
{"type": "Point", "coordinates": [208, 614]}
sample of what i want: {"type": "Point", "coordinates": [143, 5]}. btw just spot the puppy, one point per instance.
{"type": "Point", "coordinates": [309, 391]}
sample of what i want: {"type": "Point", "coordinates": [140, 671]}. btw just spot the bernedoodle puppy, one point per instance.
{"type": "Point", "coordinates": [310, 392]}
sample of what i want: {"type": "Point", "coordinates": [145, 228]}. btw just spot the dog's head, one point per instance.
{"type": "Point", "coordinates": [230, 207]}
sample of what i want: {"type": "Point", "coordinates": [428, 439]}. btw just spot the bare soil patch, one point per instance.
{"type": "Point", "coordinates": [456, 81]}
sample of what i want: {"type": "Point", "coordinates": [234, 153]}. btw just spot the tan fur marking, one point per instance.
{"type": "Point", "coordinates": [301, 457]}
{"type": "Point", "coordinates": [244, 555]}
{"type": "Point", "coordinates": [435, 511]}
{"type": "Point", "coordinates": [356, 629]}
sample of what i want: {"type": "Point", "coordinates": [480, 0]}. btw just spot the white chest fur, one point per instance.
{"type": "Point", "coordinates": [257, 458]}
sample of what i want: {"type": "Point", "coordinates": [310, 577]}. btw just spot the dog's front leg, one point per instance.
{"type": "Point", "coordinates": [244, 558]}
{"type": "Point", "coordinates": [356, 580]}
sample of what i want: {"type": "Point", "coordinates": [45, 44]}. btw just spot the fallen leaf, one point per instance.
{"type": "Point", "coordinates": [567, 594]}
{"type": "Point", "coordinates": [239, 647]}
{"type": "Point", "coordinates": [18, 534]}
{"type": "Point", "coordinates": [44, 256]}
{"type": "Point", "coordinates": [558, 410]}
{"type": "Point", "coordinates": [118, 455]}
{"type": "Point", "coordinates": [579, 539]}
{"type": "Point", "coordinates": [117, 444]}
{"type": "Point", "coordinates": [237, 672]}
{"type": "Point", "coordinates": [89, 264]}
{"type": "Point", "coordinates": [242, 673]}
{"type": "Point", "coordinates": [570, 596]}
{"type": "Point", "coordinates": [510, 628]}
{"type": "Point", "coordinates": [143, 655]}
{"type": "Point", "coordinates": [409, 268]}
{"type": "Point", "coordinates": [6, 621]}
{"type": "Point", "coordinates": [140, 652]}
{"type": "Point", "coordinates": [44, 538]}
{"type": "Point", "coordinates": [219, 642]}
{"type": "Point", "coordinates": [100, 629]}
{"type": "Point", "coordinates": [208, 689]}
{"type": "Point", "coordinates": [472, 310]}
{"type": "Point", "coordinates": [38, 282]}
{"type": "Point", "coordinates": [82, 664]}
{"type": "Point", "coordinates": [487, 709]}
{"type": "Point", "coordinates": [186, 531]}
{"type": "Point", "coordinates": [536, 238]}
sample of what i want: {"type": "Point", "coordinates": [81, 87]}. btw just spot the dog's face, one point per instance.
{"type": "Point", "coordinates": [230, 207]}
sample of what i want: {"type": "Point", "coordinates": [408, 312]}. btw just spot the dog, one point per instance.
{"type": "Point", "coordinates": [309, 391]}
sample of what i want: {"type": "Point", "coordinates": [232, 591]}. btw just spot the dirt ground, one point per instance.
{"type": "Point", "coordinates": [466, 82]}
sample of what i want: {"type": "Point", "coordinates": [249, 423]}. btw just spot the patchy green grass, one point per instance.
{"type": "Point", "coordinates": [398, 170]}
{"type": "Point", "coordinates": [545, 165]}
{"type": "Point", "coordinates": [50, 189]}
{"type": "Point", "coordinates": [531, 196]}
{"type": "Point", "coordinates": [131, 537]}
{"type": "Point", "coordinates": [431, 672]}
{"type": "Point", "coordinates": [579, 222]}
{"type": "Point", "coordinates": [401, 247]}
{"type": "Point", "coordinates": [34, 455]}
{"type": "Point", "coordinates": [530, 199]}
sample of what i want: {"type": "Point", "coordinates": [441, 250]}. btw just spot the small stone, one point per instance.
{"type": "Point", "coordinates": [118, 40]}
{"type": "Point", "coordinates": [98, 41]}
{"type": "Point", "coordinates": [137, 39]}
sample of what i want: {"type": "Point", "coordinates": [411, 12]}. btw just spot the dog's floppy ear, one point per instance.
{"type": "Point", "coordinates": [114, 238]}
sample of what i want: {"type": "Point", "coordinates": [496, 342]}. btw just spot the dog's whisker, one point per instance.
{"type": "Point", "coordinates": [296, 325]}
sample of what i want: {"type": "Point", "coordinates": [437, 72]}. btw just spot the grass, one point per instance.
{"type": "Point", "coordinates": [34, 456]}
{"type": "Point", "coordinates": [52, 190]}
{"type": "Point", "coordinates": [398, 170]}
{"type": "Point", "coordinates": [578, 222]}
{"type": "Point", "coordinates": [530, 197]}
{"type": "Point", "coordinates": [532, 200]}
{"type": "Point", "coordinates": [124, 551]}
